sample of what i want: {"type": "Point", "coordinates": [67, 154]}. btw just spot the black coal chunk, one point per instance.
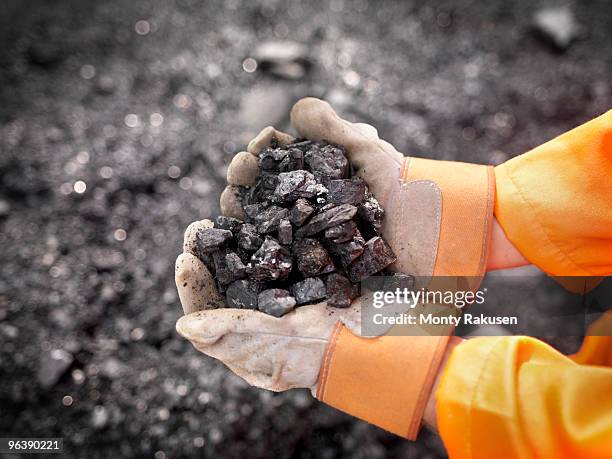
{"type": "Point", "coordinates": [269, 219]}
{"type": "Point", "coordinates": [271, 262]}
{"type": "Point", "coordinates": [228, 268]}
{"type": "Point", "coordinates": [309, 290]}
{"type": "Point", "coordinates": [253, 210]}
{"type": "Point", "coordinates": [296, 184]}
{"type": "Point", "coordinates": [327, 218]}
{"type": "Point", "coordinates": [242, 294]}
{"type": "Point", "coordinates": [276, 302]}
{"type": "Point", "coordinates": [302, 145]}
{"type": "Point", "coordinates": [300, 212]}
{"type": "Point", "coordinates": [376, 256]}
{"type": "Point", "coordinates": [339, 290]}
{"type": "Point", "coordinates": [342, 233]}
{"type": "Point", "coordinates": [212, 239]}
{"type": "Point", "coordinates": [248, 238]}
{"type": "Point", "coordinates": [371, 211]}
{"type": "Point", "coordinates": [327, 162]}
{"type": "Point", "coordinates": [274, 160]}
{"type": "Point", "coordinates": [348, 191]}
{"type": "Point", "coordinates": [264, 188]}
{"type": "Point", "coordinates": [312, 258]}
{"type": "Point", "coordinates": [228, 223]}
{"type": "Point", "coordinates": [285, 232]}
{"type": "Point", "coordinates": [347, 252]}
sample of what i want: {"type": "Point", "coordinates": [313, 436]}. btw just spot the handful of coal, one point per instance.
{"type": "Point", "coordinates": [311, 233]}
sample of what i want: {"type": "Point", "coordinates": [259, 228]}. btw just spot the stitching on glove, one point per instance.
{"type": "Point", "coordinates": [327, 359]}
{"type": "Point", "coordinates": [488, 227]}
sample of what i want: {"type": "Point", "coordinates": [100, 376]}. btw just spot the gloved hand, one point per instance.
{"type": "Point", "coordinates": [312, 347]}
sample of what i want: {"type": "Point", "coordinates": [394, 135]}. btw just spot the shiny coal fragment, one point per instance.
{"type": "Point", "coordinates": [348, 191]}
{"type": "Point", "coordinates": [294, 160]}
{"type": "Point", "coordinates": [212, 239]}
{"type": "Point", "coordinates": [253, 210]}
{"type": "Point", "coordinates": [285, 232]}
{"type": "Point", "coordinates": [346, 252]}
{"type": "Point", "coordinates": [376, 256]}
{"type": "Point", "coordinates": [303, 145]}
{"type": "Point", "coordinates": [326, 219]}
{"type": "Point", "coordinates": [276, 301]}
{"type": "Point", "coordinates": [228, 268]}
{"type": "Point", "coordinates": [248, 238]}
{"type": "Point", "coordinates": [339, 290]}
{"type": "Point", "coordinates": [228, 223]}
{"type": "Point", "coordinates": [270, 159]}
{"type": "Point", "coordinates": [271, 262]}
{"type": "Point", "coordinates": [296, 184]}
{"type": "Point", "coordinates": [327, 163]}
{"type": "Point", "coordinates": [264, 188]}
{"type": "Point", "coordinates": [242, 294]}
{"type": "Point", "coordinates": [343, 232]}
{"type": "Point", "coordinates": [371, 211]}
{"type": "Point", "coordinates": [269, 219]}
{"type": "Point", "coordinates": [312, 258]}
{"type": "Point", "coordinates": [300, 212]}
{"type": "Point", "coordinates": [309, 290]}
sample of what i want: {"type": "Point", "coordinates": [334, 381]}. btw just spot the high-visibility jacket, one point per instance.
{"type": "Point", "coordinates": [515, 396]}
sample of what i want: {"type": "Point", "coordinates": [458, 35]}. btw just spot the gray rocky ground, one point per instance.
{"type": "Point", "coordinates": [117, 122]}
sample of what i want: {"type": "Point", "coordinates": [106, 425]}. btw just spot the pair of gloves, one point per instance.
{"type": "Point", "coordinates": [438, 220]}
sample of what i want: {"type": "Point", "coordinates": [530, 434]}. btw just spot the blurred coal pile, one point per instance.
{"type": "Point", "coordinates": [117, 122]}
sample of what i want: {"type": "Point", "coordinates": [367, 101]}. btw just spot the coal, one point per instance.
{"type": "Point", "coordinates": [300, 212]}
{"type": "Point", "coordinates": [212, 239]}
{"type": "Point", "coordinates": [248, 238]}
{"type": "Point", "coordinates": [376, 256]}
{"type": "Point", "coordinates": [303, 238]}
{"type": "Point", "coordinates": [371, 211]}
{"type": "Point", "coordinates": [242, 294]}
{"type": "Point", "coordinates": [339, 290]}
{"type": "Point", "coordinates": [327, 218]}
{"type": "Point", "coordinates": [271, 262]}
{"type": "Point", "coordinates": [312, 258]}
{"type": "Point", "coordinates": [296, 184]}
{"type": "Point", "coordinates": [228, 223]}
{"type": "Point", "coordinates": [343, 232]}
{"type": "Point", "coordinates": [309, 290]}
{"type": "Point", "coordinates": [348, 191]}
{"type": "Point", "coordinates": [276, 302]}
{"type": "Point", "coordinates": [285, 232]}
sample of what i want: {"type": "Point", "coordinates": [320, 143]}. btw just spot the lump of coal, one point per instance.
{"type": "Point", "coordinates": [341, 233]}
{"type": "Point", "coordinates": [371, 211]}
{"type": "Point", "coordinates": [242, 294]}
{"type": "Point", "coordinates": [253, 210]}
{"type": "Point", "coordinates": [327, 218]}
{"type": "Point", "coordinates": [248, 238]}
{"type": "Point", "coordinates": [296, 184]}
{"type": "Point", "coordinates": [376, 256]}
{"type": "Point", "coordinates": [312, 258]}
{"type": "Point", "coordinates": [285, 232]}
{"type": "Point", "coordinates": [339, 290]}
{"type": "Point", "coordinates": [269, 219]}
{"type": "Point", "coordinates": [228, 223]}
{"type": "Point", "coordinates": [327, 162]}
{"type": "Point", "coordinates": [212, 239]}
{"type": "Point", "coordinates": [347, 252]}
{"type": "Point", "coordinates": [264, 188]}
{"type": "Point", "coordinates": [309, 290]}
{"type": "Point", "coordinates": [300, 212]}
{"type": "Point", "coordinates": [228, 268]}
{"type": "Point", "coordinates": [349, 191]}
{"type": "Point", "coordinates": [293, 161]}
{"type": "Point", "coordinates": [276, 302]}
{"type": "Point", "coordinates": [271, 262]}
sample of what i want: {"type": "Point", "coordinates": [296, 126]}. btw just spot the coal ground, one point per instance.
{"type": "Point", "coordinates": [117, 122]}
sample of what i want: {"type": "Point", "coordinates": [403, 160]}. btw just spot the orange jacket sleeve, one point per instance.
{"type": "Point", "coordinates": [516, 397]}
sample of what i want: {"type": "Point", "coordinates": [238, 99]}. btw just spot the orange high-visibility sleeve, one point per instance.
{"type": "Point", "coordinates": [555, 202]}
{"type": "Point", "coordinates": [516, 397]}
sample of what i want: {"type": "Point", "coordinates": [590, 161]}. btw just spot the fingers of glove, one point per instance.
{"type": "Point", "coordinates": [316, 119]}
{"type": "Point", "coordinates": [231, 202]}
{"type": "Point", "coordinates": [264, 138]}
{"type": "Point", "coordinates": [243, 170]}
{"type": "Point", "coordinates": [195, 285]}
{"type": "Point", "coordinates": [189, 239]}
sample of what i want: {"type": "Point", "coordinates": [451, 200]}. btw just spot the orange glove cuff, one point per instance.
{"type": "Point", "coordinates": [468, 199]}
{"type": "Point", "coordinates": [385, 381]}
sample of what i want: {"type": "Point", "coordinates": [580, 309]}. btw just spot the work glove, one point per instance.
{"type": "Point", "coordinates": [317, 346]}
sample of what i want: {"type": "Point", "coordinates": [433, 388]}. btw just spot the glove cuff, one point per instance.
{"type": "Point", "coordinates": [466, 220]}
{"type": "Point", "coordinates": [385, 381]}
